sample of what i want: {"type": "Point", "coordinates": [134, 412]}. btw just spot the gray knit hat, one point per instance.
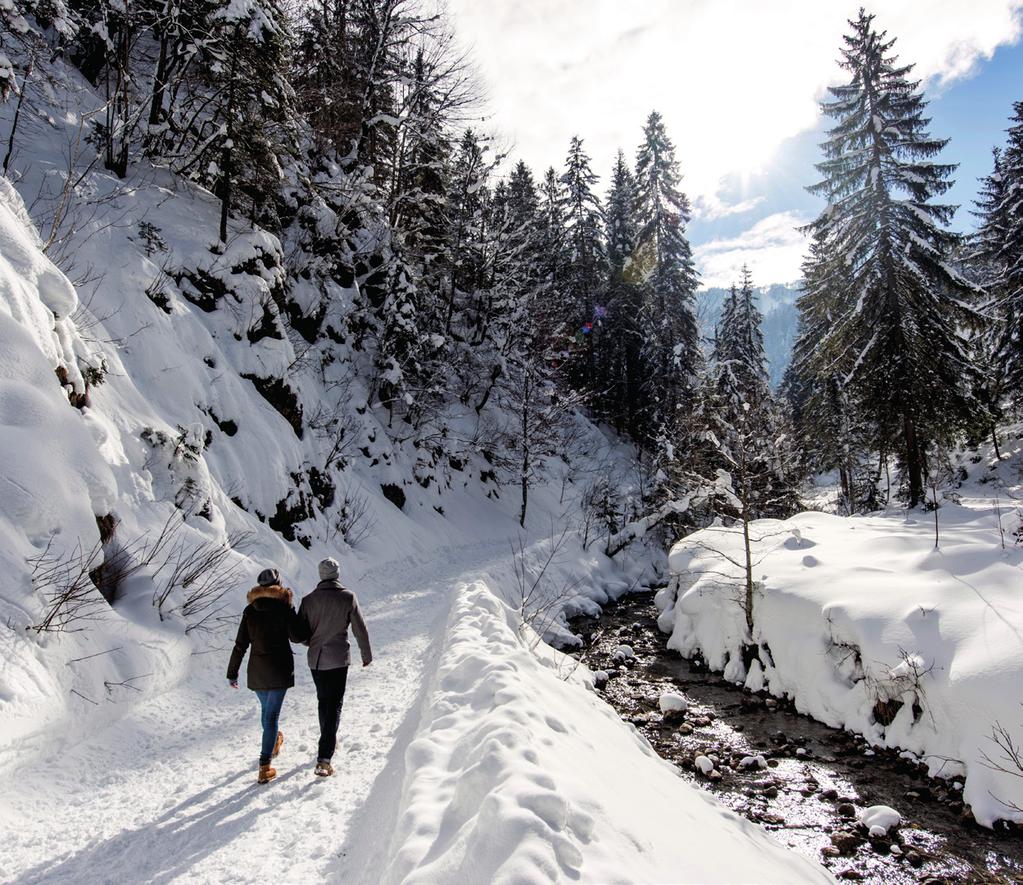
{"type": "Point", "coordinates": [268, 577]}
{"type": "Point", "coordinates": [329, 570]}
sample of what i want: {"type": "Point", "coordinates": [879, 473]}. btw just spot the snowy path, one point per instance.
{"type": "Point", "coordinates": [168, 793]}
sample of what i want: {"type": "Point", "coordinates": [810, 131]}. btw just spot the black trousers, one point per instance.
{"type": "Point", "coordinates": [330, 695]}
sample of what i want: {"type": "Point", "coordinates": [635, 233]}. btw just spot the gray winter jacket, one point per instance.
{"type": "Point", "coordinates": [324, 617]}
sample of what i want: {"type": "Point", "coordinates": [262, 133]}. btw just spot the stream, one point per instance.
{"type": "Point", "coordinates": [812, 779]}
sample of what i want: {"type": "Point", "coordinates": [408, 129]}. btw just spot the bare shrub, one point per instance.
{"type": "Point", "coordinates": [1009, 759]}
{"type": "Point", "coordinates": [336, 428]}
{"type": "Point", "coordinates": [203, 573]}
{"type": "Point", "coordinates": [601, 511]}
{"type": "Point", "coordinates": [78, 585]}
{"type": "Point", "coordinates": [538, 596]}
{"type": "Point", "coordinates": [72, 599]}
{"type": "Point", "coordinates": [354, 519]}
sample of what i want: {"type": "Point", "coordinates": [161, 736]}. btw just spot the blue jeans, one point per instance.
{"type": "Point", "coordinates": [271, 703]}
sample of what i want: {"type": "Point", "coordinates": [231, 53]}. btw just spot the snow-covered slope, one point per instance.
{"type": "Point", "coordinates": [61, 468]}
{"type": "Point", "coordinates": [865, 625]}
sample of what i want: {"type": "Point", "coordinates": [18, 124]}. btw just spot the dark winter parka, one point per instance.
{"type": "Point", "coordinates": [269, 622]}
{"type": "Point", "coordinates": [324, 618]}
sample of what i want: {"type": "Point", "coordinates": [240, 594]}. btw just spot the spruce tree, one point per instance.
{"type": "Point", "coordinates": [223, 109]}
{"type": "Point", "coordinates": [664, 265]}
{"type": "Point", "coordinates": [831, 436]}
{"type": "Point", "coordinates": [466, 208]}
{"type": "Point", "coordinates": [739, 341]}
{"type": "Point", "coordinates": [999, 245]}
{"type": "Point", "coordinates": [586, 259]}
{"type": "Point", "coordinates": [746, 425]}
{"type": "Point", "coordinates": [625, 364]}
{"type": "Point", "coordinates": [553, 254]}
{"type": "Point", "coordinates": [897, 323]}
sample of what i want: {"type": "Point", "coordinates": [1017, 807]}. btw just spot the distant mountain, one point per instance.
{"type": "Point", "coordinates": [777, 302]}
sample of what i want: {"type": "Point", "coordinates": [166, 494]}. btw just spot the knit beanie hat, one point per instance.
{"type": "Point", "coordinates": [268, 577]}
{"type": "Point", "coordinates": [329, 570]}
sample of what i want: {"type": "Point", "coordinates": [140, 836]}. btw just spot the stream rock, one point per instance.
{"type": "Point", "coordinates": [846, 842]}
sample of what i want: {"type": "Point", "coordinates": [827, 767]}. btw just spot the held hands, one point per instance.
{"type": "Point", "coordinates": [366, 663]}
{"type": "Point", "coordinates": [233, 683]}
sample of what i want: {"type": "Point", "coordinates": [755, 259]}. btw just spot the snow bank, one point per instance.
{"type": "Point", "coordinates": [867, 627]}
{"type": "Point", "coordinates": [517, 773]}
{"type": "Point", "coordinates": [55, 480]}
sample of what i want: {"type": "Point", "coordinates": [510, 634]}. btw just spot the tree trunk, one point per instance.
{"type": "Point", "coordinates": [748, 607]}
{"type": "Point", "coordinates": [227, 157]}
{"type": "Point", "coordinates": [524, 478]}
{"type": "Point", "coordinates": [159, 81]}
{"type": "Point", "coordinates": [744, 479]}
{"type": "Point", "coordinates": [914, 463]}
{"type": "Point", "coordinates": [17, 114]}
{"type": "Point", "coordinates": [994, 439]}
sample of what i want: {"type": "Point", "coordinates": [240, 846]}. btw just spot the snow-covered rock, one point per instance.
{"type": "Point", "coordinates": [704, 763]}
{"type": "Point", "coordinates": [623, 653]}
{"type": "Point", "coordinates": [879, 819]}
{"type": "Point", "coordinates": [672, 702]}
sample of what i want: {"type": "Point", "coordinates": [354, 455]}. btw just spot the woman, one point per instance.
{"type": "Point", "coordinates": [268, 623]}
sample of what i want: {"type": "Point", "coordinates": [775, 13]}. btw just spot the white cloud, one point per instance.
{"type": "Point", "coordinates": [733, 78]}
{"type": "Point", "coordinates": [712, 207]}
{"type": "Point", "coordinates": [773, 248]}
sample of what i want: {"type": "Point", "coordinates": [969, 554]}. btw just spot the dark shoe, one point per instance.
{"type": "Point", "coordinates": [279, 744]}
{"type": "Point", "coordinates": [324, 768]}
{"type": "Point", "coordinates": [266, 774]}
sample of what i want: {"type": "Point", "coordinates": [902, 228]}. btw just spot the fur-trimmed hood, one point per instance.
{"type": "Point", "coordinates": [272, 591]}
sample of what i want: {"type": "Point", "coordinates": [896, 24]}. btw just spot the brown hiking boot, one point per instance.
{"type": "Point", "coordinates": [279, 744]}
{"type": "Point", "coordinates": [266, 774]}
{"type": "Point", "coordinates": [323, 768]}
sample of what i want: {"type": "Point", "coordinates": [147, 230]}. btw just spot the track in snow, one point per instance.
{"type": "Point", "coordinates": [168, 793]}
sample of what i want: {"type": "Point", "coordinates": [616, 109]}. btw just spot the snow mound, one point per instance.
{"type": "Point", "coordinates": [500, 789]}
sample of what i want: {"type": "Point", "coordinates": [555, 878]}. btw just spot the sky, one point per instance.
{"type": "Point", "coordinates": [738, 83]}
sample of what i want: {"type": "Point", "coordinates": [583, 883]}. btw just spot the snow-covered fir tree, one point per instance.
{"type": "Point", "coordinates": [585, 269]}
{"type": "Point", "coordinates": [830, 432]}
{"type": "Point", "coordinates": [664, 266]}
{"type": "Point", "coordinates": [999, 248]}
{"type": "Point", "coordinates": [898, 324]}
{"type": "Point", "coordinates": [745, 429]}
{"type": "Point", "coordinates": [739, 340]}
{"type": "Point", "coordinates": [621, 385]}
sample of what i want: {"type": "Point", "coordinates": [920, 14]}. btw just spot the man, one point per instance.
{"type": "Point", "coordinates": [324, 617]}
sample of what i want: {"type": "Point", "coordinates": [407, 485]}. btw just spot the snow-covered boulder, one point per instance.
{"type": "Point", "coordinates": [673, 702]}
{"type": "Point", "coordinates": [879, 819]}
